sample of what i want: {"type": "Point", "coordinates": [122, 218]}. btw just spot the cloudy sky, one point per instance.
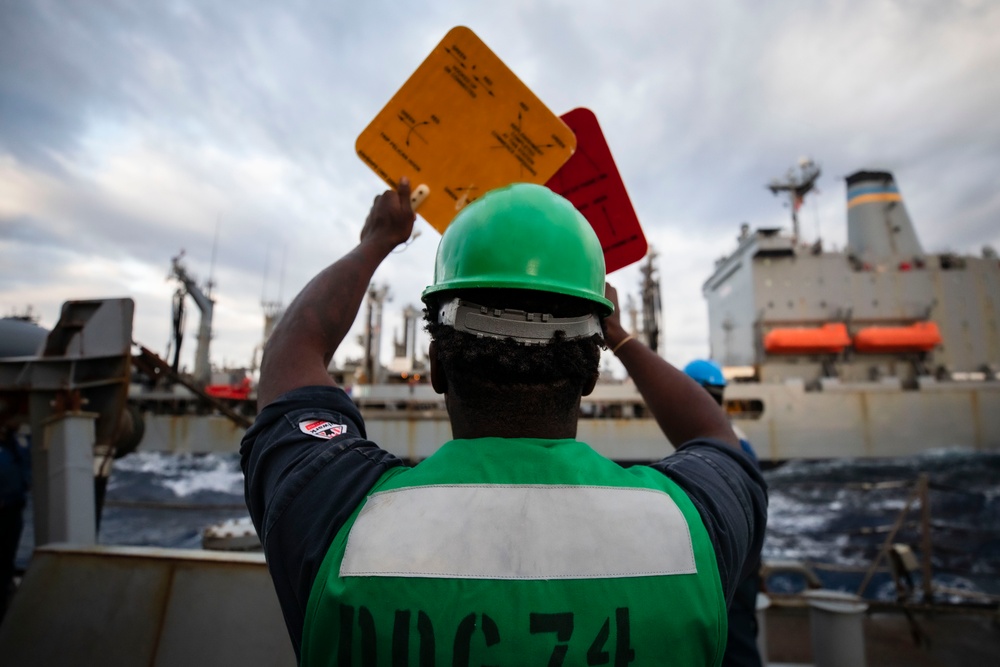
{"type": "Point", "coordinates": [130, 131]}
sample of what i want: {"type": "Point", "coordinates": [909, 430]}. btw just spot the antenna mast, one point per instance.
{"type": "Point", "coordinates": [211, 267]}
{"type": "Point", "coordinates": [797, 186]}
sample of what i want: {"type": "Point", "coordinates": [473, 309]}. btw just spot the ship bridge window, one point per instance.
{"type": "Point", "coordinates": [767, 253]}
{"type": "Point", "coordinates": [745, 408]}
{"type": "Point", "coordinates": [950, 261]}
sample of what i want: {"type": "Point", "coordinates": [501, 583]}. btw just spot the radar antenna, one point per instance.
{"type": "Point", "coordinates": [797, 186]}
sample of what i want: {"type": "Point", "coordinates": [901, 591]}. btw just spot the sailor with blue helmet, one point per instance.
{"type": "Point", "coordinates": [741, 644]}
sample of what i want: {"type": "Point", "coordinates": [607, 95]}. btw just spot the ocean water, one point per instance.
{"type": "Point", "coordinates": [832, 515]}
{"type": "Point", "coordinates": [836, 516]}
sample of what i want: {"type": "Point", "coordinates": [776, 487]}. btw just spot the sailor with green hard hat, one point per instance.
{"type": "Point", "coordinates": [514, 543]}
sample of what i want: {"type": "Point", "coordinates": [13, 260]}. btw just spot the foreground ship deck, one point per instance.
{"type": "Point", "coordinates": [182, 607]}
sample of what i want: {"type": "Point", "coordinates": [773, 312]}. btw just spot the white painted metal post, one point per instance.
{"type": "Point", "coordinates": [763, 603]}
{"type": "Point", "coordinates": [70, 512]}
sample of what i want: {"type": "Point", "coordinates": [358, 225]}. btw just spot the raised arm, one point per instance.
{"type": "Point", "coordinates": [682, 409]}
{"type": "Point", "coordinates": [314, 325]}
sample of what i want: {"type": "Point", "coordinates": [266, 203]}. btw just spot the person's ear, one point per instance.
{"type": "Point", "coordinates": [588, 387]}
{"type": "Point", "coordinates": [439, 380]}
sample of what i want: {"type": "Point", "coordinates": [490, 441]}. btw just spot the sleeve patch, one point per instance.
{"type": "Point", "coordinates": [321, 429]}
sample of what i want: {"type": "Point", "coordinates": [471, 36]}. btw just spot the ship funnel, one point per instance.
{"type": "Point", "coordinates": [878, 226]}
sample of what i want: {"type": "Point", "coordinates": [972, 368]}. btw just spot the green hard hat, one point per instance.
{"type": "Point", "coordinates": [522, 236]}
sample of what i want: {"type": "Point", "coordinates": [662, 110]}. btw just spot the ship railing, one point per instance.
{"type": "Point", "coordinates": [913, 549]}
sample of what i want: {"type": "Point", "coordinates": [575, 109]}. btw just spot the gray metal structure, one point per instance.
{"type": "Point", "coordinates": [73, 394]}
{"type": "Point", "coordinates": [20, 337]}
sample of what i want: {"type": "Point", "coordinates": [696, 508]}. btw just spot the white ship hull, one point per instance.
{"type": "Point", "coordinates": [842, 420]}
{"type": "Point", "coordinates": [869, 420]}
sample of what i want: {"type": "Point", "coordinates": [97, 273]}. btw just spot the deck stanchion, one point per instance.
{"type": "Point", "coordinates": [923, 483]}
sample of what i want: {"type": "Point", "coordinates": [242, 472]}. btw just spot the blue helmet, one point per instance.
{"type": "Point", "coordinates": [705, 372]}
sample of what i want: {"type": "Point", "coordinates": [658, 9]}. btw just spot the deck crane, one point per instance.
{"type": "Point", "coordinates": [206, 304]}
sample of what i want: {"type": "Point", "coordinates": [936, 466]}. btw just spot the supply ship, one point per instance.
{"type": "Point", "coordinates": [878, 350]}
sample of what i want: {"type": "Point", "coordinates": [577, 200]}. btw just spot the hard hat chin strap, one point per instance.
{"type": "Point", "coordinates": [524, 327]}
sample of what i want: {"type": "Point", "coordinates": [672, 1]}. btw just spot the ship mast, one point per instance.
{"type": "Point", "coordinates": [407, 348]}
{"type": "Point", "coordinates": [797, 186]}
{"type": "Point", "coordinates": [650, 302]}
{"type": "Point", "coordinates": [373, 332]}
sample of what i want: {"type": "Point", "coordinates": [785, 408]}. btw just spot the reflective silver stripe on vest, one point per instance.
{"type": "Point", "coordinates": [519, 532]}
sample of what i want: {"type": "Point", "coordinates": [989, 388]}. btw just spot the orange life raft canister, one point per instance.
{"type": "Point", "coordinates": [826, 339]}
{"type": "Point", "coordinates": [918, 337]}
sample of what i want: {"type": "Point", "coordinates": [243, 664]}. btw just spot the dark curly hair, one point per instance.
{"type": "Point", "coordinates": [512, 379]}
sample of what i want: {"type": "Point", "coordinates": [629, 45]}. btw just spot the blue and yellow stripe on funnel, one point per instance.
{"type": "Point", "coordinates": [870, 194]}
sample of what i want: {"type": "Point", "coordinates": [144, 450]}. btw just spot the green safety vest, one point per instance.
{"type": "Point", "coordinates": [509, 552]}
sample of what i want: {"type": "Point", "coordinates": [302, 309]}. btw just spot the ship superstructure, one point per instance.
{"type": "Point", "coordinates": [877, 337]}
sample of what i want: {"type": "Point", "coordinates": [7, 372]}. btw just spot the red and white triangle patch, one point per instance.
{"type": "Point", "coordinates": [322, 429]}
